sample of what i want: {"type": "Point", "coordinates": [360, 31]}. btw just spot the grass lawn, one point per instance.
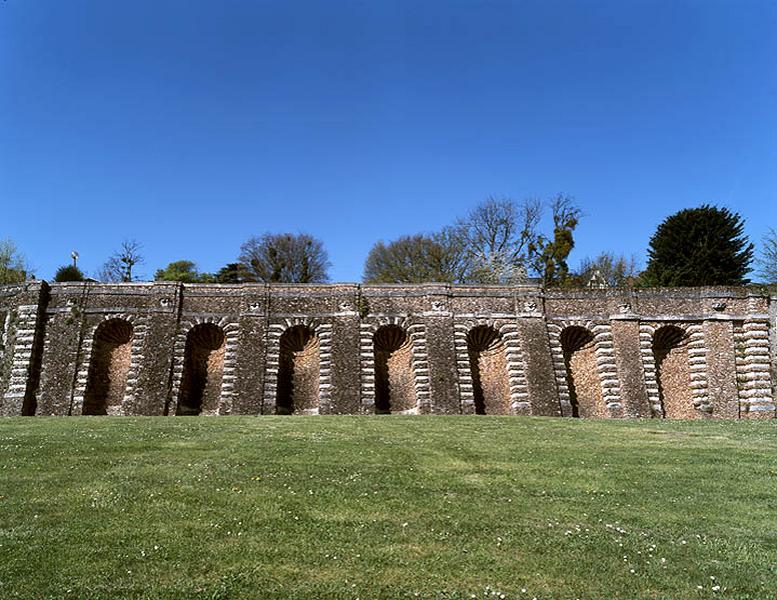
{"type": "Point", "coordinates": [386, 507]}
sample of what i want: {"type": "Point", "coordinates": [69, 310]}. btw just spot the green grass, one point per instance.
{"type": "Point", "coordinates": [386, 507]}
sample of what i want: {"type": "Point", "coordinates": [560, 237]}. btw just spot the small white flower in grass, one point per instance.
{"type": "Point", "coordinates": [715, 588]}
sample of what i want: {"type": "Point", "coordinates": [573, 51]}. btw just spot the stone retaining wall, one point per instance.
{"type": "Point", "coordinates": [543, 352]}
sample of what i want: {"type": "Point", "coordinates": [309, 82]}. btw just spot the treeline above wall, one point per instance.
{"type": "Point", "coordinates": [500, 241]}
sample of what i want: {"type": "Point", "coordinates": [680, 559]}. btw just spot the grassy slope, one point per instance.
{"type": "Point", "coordinates": [388, 507]}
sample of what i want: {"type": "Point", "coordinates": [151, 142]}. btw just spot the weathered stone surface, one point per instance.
{"type": "Point", "coordinates": [323, 349]}
{"type": "Point", "coordinates": [721, 369]}
{"type": "Point", "coordinates": [629, 364]}
{"type": "Point", "coordinates": [541, 385]}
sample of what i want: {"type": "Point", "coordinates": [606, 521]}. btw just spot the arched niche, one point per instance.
{"type": "Point", "coordinates": [394, 381]}
{"type": "Point", "coordinates": [298, 371]}
{"type": "Point", "coordinates": [585, 391]}
{"type": "Point", "coordinates": [670, 351]}
{"type": "Point", "coordinates": [488, 364]}
{"type": "Point", "coordinates": [203, 370]}
{"type": "Point", "coordinates": [108, 367]}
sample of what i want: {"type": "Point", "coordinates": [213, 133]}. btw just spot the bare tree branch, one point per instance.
{"type": "Point", "coordinates": [119, 267]}
{"type": "Point", "coordinates": [767, 261]}
{"type": "Point", "coordinates": [285, 258]}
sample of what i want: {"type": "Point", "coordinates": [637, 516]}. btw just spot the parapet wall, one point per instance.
{"type": "Point", "coordinates": [167, 348]}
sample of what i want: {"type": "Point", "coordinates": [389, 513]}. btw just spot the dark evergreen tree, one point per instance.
{"type": "Point", "coordinates": [69, 273]}
{"type": "Point", "coordinates": [233, 273]}
{"type": "Point", "coordinates": [699, 246]}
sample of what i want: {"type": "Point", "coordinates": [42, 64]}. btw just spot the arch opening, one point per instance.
{"type": "Point", "coordinates": [298, 372]}
{"type": "Point", "coordinates": [107, 376]}
{"type": "Point", "coordinates": [585, 392]}
{"type": "Point", "coordinates": [488, 364]}
{"type": "Point", "coordinates": [203, 370]}
{"type": "Point", "coordinates": [394, 381]}
{"type": "Point", "coordinates": [670, 351]}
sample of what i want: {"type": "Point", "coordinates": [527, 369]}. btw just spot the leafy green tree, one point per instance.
{"type": "Point", "coordinates": [767, 261]}
{"type": "Point", "coordinates": [13, 267]}
{"type": "Point", "coordinates": [698, 247]}
{"type": "Point", "coordinates": [180, 270]}
{"type": "Point", "coordinates": [285, 258]}
{"type": "Point", "coordinates": [69, 273]}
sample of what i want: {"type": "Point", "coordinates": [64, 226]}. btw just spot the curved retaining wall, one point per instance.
{"type": "Point", "coordinates": [360, 349]}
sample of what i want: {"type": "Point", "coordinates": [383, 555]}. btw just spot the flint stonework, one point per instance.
{"type": "Point", "coordinates": [254, 349]}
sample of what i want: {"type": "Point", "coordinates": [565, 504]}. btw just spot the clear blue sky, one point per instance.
{"type": "Point", "coordinates": [191, 125]}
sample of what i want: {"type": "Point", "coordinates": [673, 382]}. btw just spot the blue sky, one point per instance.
{"type": "Point", "coordinates": [192, 125]}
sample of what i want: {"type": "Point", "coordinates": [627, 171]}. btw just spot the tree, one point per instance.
{"type": "Point", "coordinates": [285, 258]}
{"type": "Point", "coordinates": [698, 247]}
{"type": "Point", "coordinates": [550, 254]}
{"type": "Point", "coordinates": [182, 270]}
{"type": "Point", "coordinates": [498, 237]}
{"type": "Point", "coordinates": [69, 273]}
{"type": "Point", "coordinates": [768, 260]}
{"type": "Point", "coordinates": [417, 258]}
{"type": "Point", "coordinates": [453, 262]}
{"type": "Point", "coordinates": [13, 267]}
{"type": "Point", "coordinates": [498, 242]}
{"type": "Point", "coordinates": [232, 273]}
{"type": "Point", "coordinates": [119, 266]}
{"type": "Point", "coordinates": [608, 270]}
